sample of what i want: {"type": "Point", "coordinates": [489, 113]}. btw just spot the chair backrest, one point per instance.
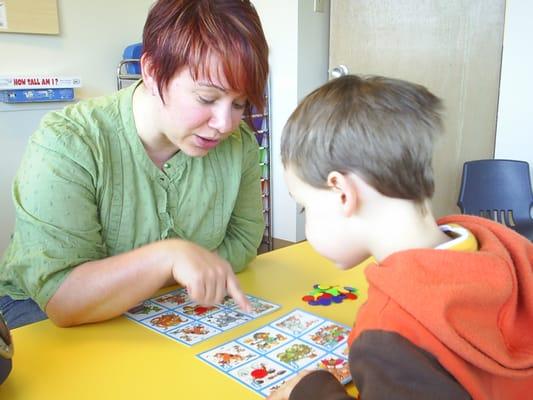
{"type": "Point", "coordinates": [496, 189]}
{"type": "Point", "coordinates": [133, 53]}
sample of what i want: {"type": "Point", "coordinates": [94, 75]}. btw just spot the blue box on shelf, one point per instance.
{"type": "Point", "coordinates": [36, 95]}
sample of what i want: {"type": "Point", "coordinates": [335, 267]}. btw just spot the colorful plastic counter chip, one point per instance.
{"type": "Point", "coordinates": [325, 295]}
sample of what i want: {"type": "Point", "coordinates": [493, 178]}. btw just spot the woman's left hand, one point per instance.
{"type": "Point", "coordinates": [285, 390]}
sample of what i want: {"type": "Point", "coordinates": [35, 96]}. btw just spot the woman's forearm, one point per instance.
{"type": "Point", "coordinates": [102, 289]}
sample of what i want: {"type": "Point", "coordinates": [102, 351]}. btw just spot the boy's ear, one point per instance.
{"type": "Point", "coordinates": [147, 73]}
{"type": "Point", "coordinates": [346, 189]}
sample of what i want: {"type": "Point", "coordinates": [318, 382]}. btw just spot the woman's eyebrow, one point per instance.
{"type": "Point", "coordinates": [212, 85]}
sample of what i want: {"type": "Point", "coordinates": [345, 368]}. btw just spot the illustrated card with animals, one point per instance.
{"type": "Point", "coordinates": [265, 358]}
{"type": "Point", "coordinates": [177, 317]}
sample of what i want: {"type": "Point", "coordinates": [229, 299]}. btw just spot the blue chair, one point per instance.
{"type": "Point", "coordinates": [498, 190]}
{"type": "Point", "coordinates": [129, 68]}
{"type": "Point", "coordinates": [133, 53]}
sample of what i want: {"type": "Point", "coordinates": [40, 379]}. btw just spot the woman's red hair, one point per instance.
{"type": "Point", "coordinates": [188, 33]}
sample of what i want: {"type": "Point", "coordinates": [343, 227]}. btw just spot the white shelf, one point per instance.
{"type": "Point", "coordinates": [49, 105]}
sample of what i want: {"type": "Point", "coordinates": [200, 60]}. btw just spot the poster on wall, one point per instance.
{"type": "Point", "coordinates": [29, 16]}
{"type": "Point", "coordinates": [3, 18]}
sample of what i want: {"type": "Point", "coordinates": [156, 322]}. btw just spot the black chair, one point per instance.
{"type": "Point", "coordinates": [499, 190]}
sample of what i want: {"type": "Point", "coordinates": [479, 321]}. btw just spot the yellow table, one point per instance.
{"type": "Point", "coordinates": [120, 359]}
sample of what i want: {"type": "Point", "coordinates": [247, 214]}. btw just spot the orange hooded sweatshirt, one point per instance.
{"type": "Point", "coordinates": [443, 324]}
{"type": "Point", "coordinates": [472, 310]}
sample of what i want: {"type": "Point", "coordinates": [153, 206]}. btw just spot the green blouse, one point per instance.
{"type": "Point", "coordinates": [86, 190]}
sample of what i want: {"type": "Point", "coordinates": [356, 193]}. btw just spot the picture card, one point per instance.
{"type": "Point", "coordinates": [177, 317]}
{"type": "Point", "coordinates": [263, 359]}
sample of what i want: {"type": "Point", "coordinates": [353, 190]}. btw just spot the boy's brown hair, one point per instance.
{"type": "Point", "coordinates": [380, 128]}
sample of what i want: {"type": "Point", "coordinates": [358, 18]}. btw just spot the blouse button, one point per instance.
{"type": "Point", "coordinates": [166, 165]}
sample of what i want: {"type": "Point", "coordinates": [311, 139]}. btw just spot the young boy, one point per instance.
{"type": "Point", "coordinates": [449, 313]}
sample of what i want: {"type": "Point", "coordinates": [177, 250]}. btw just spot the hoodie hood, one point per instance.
{"type": "Point", "coordinates": [478, 304]}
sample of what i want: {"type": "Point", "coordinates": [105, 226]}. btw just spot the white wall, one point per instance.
{"type": "Point", "coordinates": [514, 138]}
{"type": "Point", "coordinates": [313, 61]}
{"type": "Point", "coordinates": [280, 22]}
{"type": "Point", "coordinates": [299, 42]}
{"type": "Point", "coordinates": [92, 37]}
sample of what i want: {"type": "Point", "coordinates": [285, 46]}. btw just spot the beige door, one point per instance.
{"type": "Point", "coordinates": [452, 47]}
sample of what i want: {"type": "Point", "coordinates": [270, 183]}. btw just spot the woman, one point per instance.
{"type": "Point", "coordinates": [157, 184]}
